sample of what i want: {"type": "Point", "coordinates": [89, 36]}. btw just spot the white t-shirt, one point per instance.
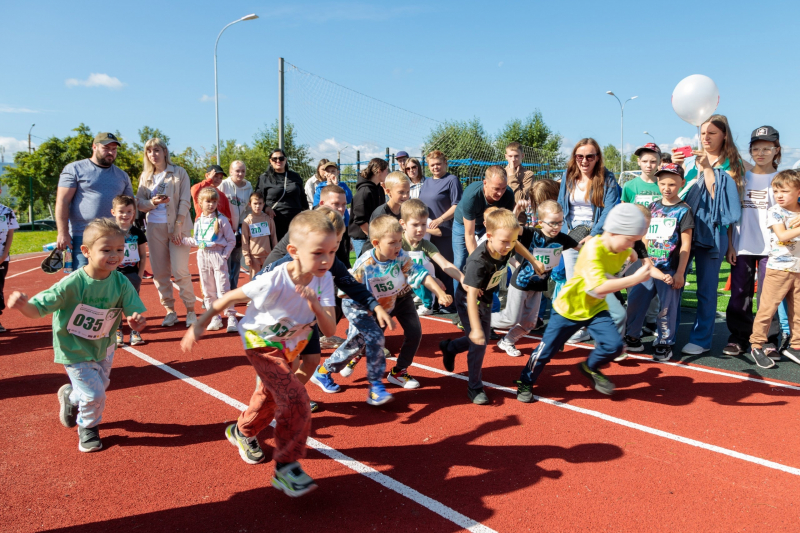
{"type": "Point", "coordinates": [782, 255]}
{"type": "Point", "coordinates": [159, 214]}
{"type": "Point", "coordinates": [278, 309]}
{"type": "Point", "coordinates": [580, 211]}
{"type": "Point", "coordinates": [751, 234]}
{"type": "Point", "coordinates": [239, 200]}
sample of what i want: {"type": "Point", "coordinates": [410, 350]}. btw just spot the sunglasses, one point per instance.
{"type": "Point", "coordinates": [589, 158]}
{"type": "Point", "coordinates": [277, 159]}
{"type": "Point", "coordinates": [412, 165]}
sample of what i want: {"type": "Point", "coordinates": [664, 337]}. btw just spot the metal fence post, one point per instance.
{"type": "Point", "coordinates": [387, 155]}
{"type": "Point", "coordinates": [358, 163]}
{"type": "Point", "coordinates": [392, 162]}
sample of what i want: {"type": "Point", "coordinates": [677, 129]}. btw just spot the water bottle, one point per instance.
{"type": "Point", "coordinates": [67, 261]}
{"type": "Point", "coordinates": [49, 247]}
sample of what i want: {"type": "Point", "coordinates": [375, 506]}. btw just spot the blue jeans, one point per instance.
{"type": "Point", "coordinates": [459, 249]}
{"type": "Point", "coordinates": [783, 315]}
{"type": "Point", "coordinates": [78, 259]}
{"type": "Point", "coordinates": [601, 327]}
{"type": "Point", "coordinates": [90, 380]}
{"type": "Point", "coordinates": [234, 265]}
{"type": "Point", "coordinates": [358, 244]}
{"type": "Point", "coordinates": [639, 298]}
{"type": "Point", "coordinates": [707, 269]}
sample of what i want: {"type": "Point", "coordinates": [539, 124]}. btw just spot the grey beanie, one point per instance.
{"type": "Point", "coordinates": [625, 219]}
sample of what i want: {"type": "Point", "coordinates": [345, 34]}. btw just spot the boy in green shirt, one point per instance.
{"type": "Point", "coordinates": [581, 302]}
{"type": "Point", "coordinates": [87, 306]}
{"type": "Point", "coordinates": [643, 190]}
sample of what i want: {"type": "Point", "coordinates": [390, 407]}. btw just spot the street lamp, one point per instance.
{"type": "Point", "coordinates": [30, 182]}
{"type": "Point", "coordinates": [621, 128]}
{"type": "Point", "coordinates": [252, 16]}
{"type": "Point", "coordinates": [654, 139]}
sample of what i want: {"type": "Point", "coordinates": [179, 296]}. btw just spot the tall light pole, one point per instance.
{"type": "Point", "coordinates": [252, 16]}
{"type": "Point", "coordinates": [30, 182]}
{"type": "Point", "coordinates": [654, 139]}
{"type": "Point", "coordinates": [621, 128]}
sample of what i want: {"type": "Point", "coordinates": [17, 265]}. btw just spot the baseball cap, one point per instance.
{"type": "Point", "coordinates": [53, 262]}
{"type": "Point", "coordinates": [672, 168]}
{"type": "Point", "coordinates": [764, 133]}
{"type": "Point", "coordinates": [217, 169]}
{"type": "Point", "coordinates": [649, 147]}
{"type": "Point", "coordinates": [400, 154]}
{"type": "Point", "coordinates": [328, 164]}
{"type": "Point", "coordinates": [105, 137]}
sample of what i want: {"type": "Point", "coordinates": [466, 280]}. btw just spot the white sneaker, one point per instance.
{"type": "Point", "coordinates": [215, 324]}
{"type": "Point", "coordinates": [693, 349]}
{"type": "Point", "coordinates": [424, 311]}
{"type": "Point", "coordinates": [580, 336]}
{"type": "Point", "coordinates": [170, 320]}
{"type": "Point", "coordinates": [402, 379]}
{"type": "Point", "coordinates": [386, 353]}
{"type": "Point", "coordinates": [508, 347]}
{"type": "Point", "coordinates": [417, 301]}
{"type": "Point", "coordinates": [621, 357]}
{"type": "Point", "coordinates": [232, 325]}
{"type": "Point", "coordinates": [191, 319]}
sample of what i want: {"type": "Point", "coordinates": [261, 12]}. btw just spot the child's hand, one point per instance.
{"type": "Point", "coordinates": [538, 267]}
{"type": "Point", "coordinates": [678, 281]}
{"type": "Point", "coordinates": [137, 322]}
{"type": "Point", "coordinates": [476, 336]}
{"type": "Point", "coordinates": [189, 339]}
{"type": "Point", "coordinates": [667, 279]}
{"type": "Point", "coordinates": [445, 299]}
{"type": "Point", "coordinates": [17, 300]}
{"type": "Point", "coordinates": [383, 318]}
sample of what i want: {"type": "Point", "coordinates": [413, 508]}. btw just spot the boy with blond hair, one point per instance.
{"type": "Point", "coordinates": [398, 190]}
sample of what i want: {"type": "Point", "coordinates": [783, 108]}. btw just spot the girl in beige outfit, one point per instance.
{"type": "Point", "coordinates": [164, 195]}
{"type": "Point", "coordinates": [258, 235]}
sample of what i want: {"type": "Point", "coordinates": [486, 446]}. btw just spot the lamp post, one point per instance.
{"type": "Point", "coordinates": [648, 134]}
{"type": "Point", "coordinates": [30, 182]}
{"type": "Point", "coordinates": [252, 16]}
{"type": "Point", "coordinates": [621, 128]}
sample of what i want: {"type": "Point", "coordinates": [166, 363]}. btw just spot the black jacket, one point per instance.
{"type": "Point", "coordinates": [271, 186]}
{"type": "Point", "coordinates": [368, 197]}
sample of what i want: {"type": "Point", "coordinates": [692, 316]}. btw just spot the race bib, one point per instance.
{"type": "Point", "coordinates": [92, 323]}
{"type": "Point", "coordinates": [131, 254]}
{"type": "Point", "coordinates": [661, 228]}
{"type": "Point", "coordinates": [280, 335]}
{"type": "Point", "coordinates": [549, 257]}
{"type": "Point", "coordinates": [386, 286]}
{"type": "Point", "coordinates": [646, 199]}
{"type": "Point", "coordinates": [259, 229]}
{"type": "Point", "coordinates": [494, 281]}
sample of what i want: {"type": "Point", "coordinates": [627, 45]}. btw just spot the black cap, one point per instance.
{"type": "Point", "coordinates": [53, 262]}
{"type": "Point", "coordinates": [105, 137]}
{"type": "Point", "coordinates": [764, 133]}
{"type": "Point", "coordinates": [649, 147]}
{"type": "Point", "coordinates": [216, 169]}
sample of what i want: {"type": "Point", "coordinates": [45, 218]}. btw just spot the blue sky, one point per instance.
{"type": "Point", "coordinates": [119, 66]}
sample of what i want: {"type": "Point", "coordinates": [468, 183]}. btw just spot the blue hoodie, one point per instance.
{"type": "Point", "coordinates": [713, 215]}
{"type": "Point", "coordinates": [611, 197]}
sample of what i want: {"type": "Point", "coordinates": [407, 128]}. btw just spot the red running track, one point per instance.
{"type": "Point", "coordinates": [166, 465]}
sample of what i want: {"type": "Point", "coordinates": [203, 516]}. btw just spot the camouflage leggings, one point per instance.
{"type": "Point", "coordinates": [363, 333]}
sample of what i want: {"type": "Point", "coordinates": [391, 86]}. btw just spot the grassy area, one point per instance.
{"type": "Point", "coordinates": [31, 241]}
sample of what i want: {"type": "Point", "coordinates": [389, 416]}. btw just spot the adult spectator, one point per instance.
{"type": "Point", "coordinates": [402, 158]}
{"type": "Point", "coordinates": [519, 179]}
{"type": "Point", "coordinates": [311, 185]}
{"type": "Point", "coordinates": [441, 193]}
{"type": "Point", "coordinates": [468, 225]}
{"type": "Point", "coordinates": [283, 192]}
{"type": "Point", "coordinates": [238, 190]}
{"type": "Point", "coordinates": [164, 195]}
{"type": "Point", "coordinates": [85, 191]}
{"type": "Point", "coordinates": [330, 176]}
{"type": "Point", "coordinates": [414, 172]}
{"type": "Point", "coordinates": [369, 195]}
{"type": "Point", "coordinates": [213, 178]}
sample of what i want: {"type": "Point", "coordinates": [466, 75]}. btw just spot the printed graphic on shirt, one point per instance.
{"type": "Point", "coordinates": [664, 233]}
{"type": "Point", "coordinates": [754, 199]}
{"type": "Point", "coordinates": [783, 255]}
{"type": "Point", "coordinates": [8, 221]}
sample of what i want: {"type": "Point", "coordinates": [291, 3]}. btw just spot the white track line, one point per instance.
{"type": "Point", "coordinates": [687, 366]}
{"type": "Point", "coordinates": [21, 273]}
{"type": "Point", "coordinates": [13, 260]}
{"type": "Point", "coordinates": [404, 490]}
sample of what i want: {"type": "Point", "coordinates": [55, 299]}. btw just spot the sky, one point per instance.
{"type": "Point", "coordinates": [120, 66]}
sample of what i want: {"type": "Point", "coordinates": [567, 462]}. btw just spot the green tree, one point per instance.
{"type": "Point", "coordinates": [611, 159]}
{"type": "Point", "coordinates": [298, 154]}
{"type": "Point", "coordinates": [464, 143]}
{"type": "Point", "coordinates": [147, 133]}
{"type": "Point", "coordinates": [531, 132]}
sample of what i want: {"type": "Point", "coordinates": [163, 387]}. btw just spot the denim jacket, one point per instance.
{"type": "Point", "coordinates": [611, 197]}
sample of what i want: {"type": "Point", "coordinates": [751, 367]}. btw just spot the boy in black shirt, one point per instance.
{"type": "Point", "coordinates": [398, 190]}
{"type": "Point", "coordinates": [482, 273]}
{"type": "Point", "coordinates": [123, 209]}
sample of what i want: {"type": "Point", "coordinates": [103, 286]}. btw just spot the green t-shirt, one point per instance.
{"type": "Point", "coordinates": [638, 191]}
{"type": "Point", "coordinates": [421, 253]}
{"type": "Point", "coordinates": [86, 312]}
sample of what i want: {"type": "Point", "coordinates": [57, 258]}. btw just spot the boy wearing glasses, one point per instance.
{"type": "Point", "coordinates": [530, 280]}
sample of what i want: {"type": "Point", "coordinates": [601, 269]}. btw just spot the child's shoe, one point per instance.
{"type": "Point", "coordinates": [424, 311]}
{"type": "Point", "coordinates": [633, 344]}
{"type": "Point", "coordinates": [760, 358]}
{"type": "Point", "coordinates": [662, 352]}
{"type": "Point", "coordinates": [600, 382]}
{"type": "Point", "coordinates": [120, 339]}
{"type": "Point", "coordinates": [325, 381]}
{"type": "Point", "coordinates": [792, 353]}
{"type": "Point", "coordinates": [346, 371]}
{"type": "Point", "coordinates": [215, 324]}
{"type": "Point", "coordinates": [170, 319]}
{"type": "Point", "coordinates": [232, 325]}
{"type": "Point", "coordinates": [402, 378]}
{"type": "Point", "coordinates": [249, 450]}
{"type": "Point", "coordinates": [508, 347]}
{"type": "Point", "coordinates": [377, 394]}
{"type": "Point", "coordinates": [291, 479]}
{"type": "Point", "coordinates": [191, 319]}
{"type": "Point", "coordinates": [89, 439]}
{"type": "Point", "coordinates": [136, 339]}
{"type": "Point", "coordinates": [68, 411]}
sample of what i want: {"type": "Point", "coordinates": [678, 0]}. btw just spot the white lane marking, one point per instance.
{"type": "Point", "coordinates": [687, 366]}
{"type": "Point", "coordinates": [632, 425]}
{"type": "Point", "coordinates": [175, 285]}
{"type": "Point", "coordinates": [21, 273]}
{"type": "Point", "coordinates": [13, 260]}
{"type": "Point", "coordinates": [404, 490]}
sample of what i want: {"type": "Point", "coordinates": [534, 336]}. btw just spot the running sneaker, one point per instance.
{"type": "Point", "coordinates": [662, 352]}
{"type": "Point", "coordinates": [508, 347]}
{"type": "Point", "coordinates": [249, 450]}
{"type": "Point", "coordinates": [792, 353]}
{"type": "Point", "coordinates": [89, 439]}
{"type": "Point", "coordinates": [386, 353]}
{"type": "Point", "coordinates": [448, 357]}
{"type": "Point", "coordinates": [232, 325]}
{"type": "Point", "coordinates": [771, 352]}
{"type": "Point", "coordinates": [424, 311]}
{"type": "Point", "coordinates": [136, 339]}
{"type": "Point", "coordinates": [417, 300]}
{"type": "Point", "coordinates": [732, 348]}
{"type": "Point", "coordinates": [191, 319]}
{"type": "Point", "coordinates": [314, 406]}
{"type": "Point", "coordinates": [760, 358]}
{"type": "Point", "coordinates": [622, 356]}
{"type": "Point", "coordinates": [120, 339]}
{"type": "Point", "coordinates": [215, 324]}
{"type": "Point", "coordinates": [170, 320]}
{"type": "Point", "coordinates": [693, 349]}
{"type": "Point", "coordinates": [291, 479]}
{"type": "Point", "coordinates": [68, 411]}
{"type": "Point", "coordinates": [524, 392]}
{"type": "Point", "coordinates": [477, 396]}
{"type": "Point", "coordinates": [377, 394]}
{"type": "Point", "coordinates": [346, 371]}
{"type": "Point", "coordinates": [330, 343]}
{"type": "Point", "coordinates": [147, 275]}
{"type": "Point", "coordinates": [402, 378]}
{"type": "Point", "coordinates": [601, 383]}
{"type": "Point", "coordinates": [325, 381]}
{"type": "Point", "coordinates": [633, 344]}
{"type": "Point", "coordinates": [539, 324]}
{"type": "Point", "coordinates": [579, 336]}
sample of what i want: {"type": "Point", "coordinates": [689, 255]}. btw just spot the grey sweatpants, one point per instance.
{"type": "Point", "coordinates": [519, 315]}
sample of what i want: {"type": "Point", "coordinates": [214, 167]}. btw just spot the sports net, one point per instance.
{"type": "Point", "coordinates": [337, 123]}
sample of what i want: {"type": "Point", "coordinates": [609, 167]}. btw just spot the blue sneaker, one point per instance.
{"type": "Point", "coordinates": [325, 381]}
{"type": "Point", "coordinates": [377, 394]}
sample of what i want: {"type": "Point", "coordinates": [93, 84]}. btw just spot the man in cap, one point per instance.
{"type": "Point", "coordinates": [85, 191]}
{"type": "Point", "coordinates": [401, 157]}
{"type": "Point", "coordinates": [214, 176]}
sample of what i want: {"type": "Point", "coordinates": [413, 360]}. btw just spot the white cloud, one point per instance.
{"type": "Point", "coordinates": [13, 146]}
{"type": "Point", "coordinates": [207, 98]}
{"type": "Point", "coordinates": [96, 80]}
{"type": "Point", "coordinates": [9, 109]}
{"type": "Point", "coordinates": [329, 148]}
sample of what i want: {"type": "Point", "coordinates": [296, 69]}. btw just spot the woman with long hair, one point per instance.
{"type": "Point", "coordinates": [369, 195]}
{"type": "Point", "coordinates": [283, 191]}
{"type": "Point", "coordinates": [414, 172]}
{"type": "Point", "coordinates": [164, 194]}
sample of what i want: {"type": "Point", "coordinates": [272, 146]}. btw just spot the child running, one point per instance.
{"type": "Point", "coordinates": [390, 274]}
{"type": "Point", "coordinates": [87, 306]}
{"type": "Point", "coordinates": [414, 220]}
{"type": "Point", "coordinates": [529, 281]}
{"type": "Point", "coordinates": [398, 190]}
{"type": "Point", "coordinates": [123, 209]}
{"type": "Point", "coordinates": [482, 272]}
{"type": "Point", "coordinates": [783, 270]}
{"type": "Point", "coordinates": [582, 301]}
{"type": "Point", "coordinates": [8, 223]}
{"type": "Point", "coordinates": [669, 243]}
{"type": "Point", "coordinates": [258, 235]}
{"type": "Point", "coordinates": [286, 303]}
{"type": "Point", "coordinates": [214, 237]}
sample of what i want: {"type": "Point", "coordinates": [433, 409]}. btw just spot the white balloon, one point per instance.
{"type": "Point", "coordinates": [695, 99]}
